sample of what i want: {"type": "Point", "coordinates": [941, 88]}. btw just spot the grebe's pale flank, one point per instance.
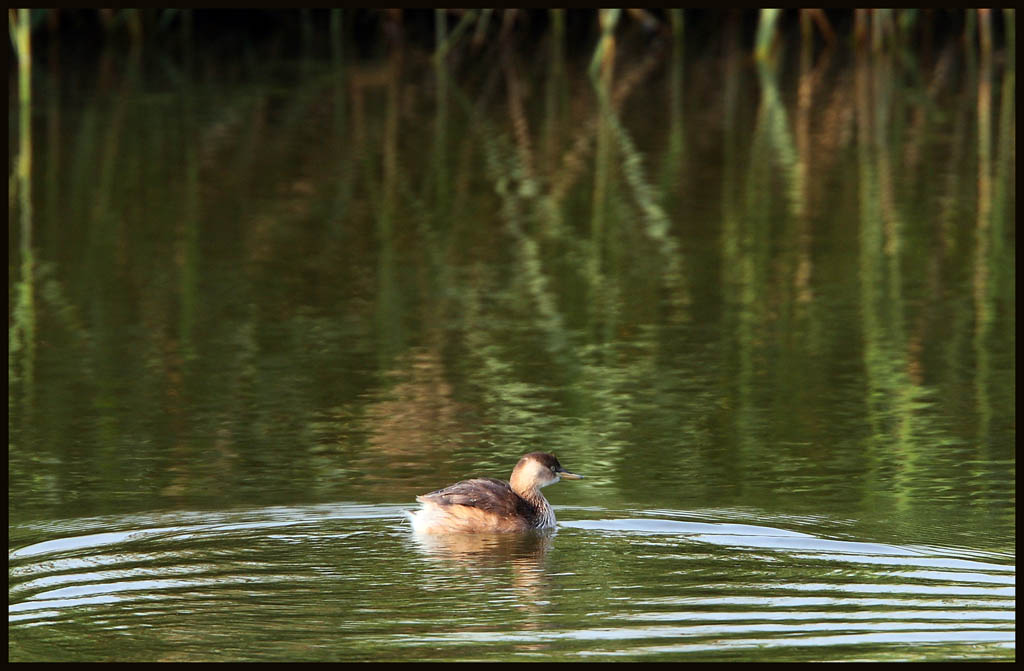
{"type": "Point", "coordinates": [489, 505]}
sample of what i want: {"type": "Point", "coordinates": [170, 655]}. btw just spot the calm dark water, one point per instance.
{"type": "Point", "coordinates": [767, 311]}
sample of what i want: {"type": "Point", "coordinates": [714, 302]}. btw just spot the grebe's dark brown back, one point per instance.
{"type": "Point", "coordinates": [490, 505]}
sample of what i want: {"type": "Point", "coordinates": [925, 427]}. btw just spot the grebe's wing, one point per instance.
{"type": "Point", "coordinates": [489, 494]}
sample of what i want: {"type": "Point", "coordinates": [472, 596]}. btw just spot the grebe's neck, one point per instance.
{"type": "Point", "coordinates": [528, 477]}
{"type": "Point", "coordinates": [545, 515]}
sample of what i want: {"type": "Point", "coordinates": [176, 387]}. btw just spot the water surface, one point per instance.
{"type": "Point", "coordinates": [767, 310]}
{"type": "Point", "coordinates": [351, 582]}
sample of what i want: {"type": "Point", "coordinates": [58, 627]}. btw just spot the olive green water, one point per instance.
{"type": "Point", "coordinates": [768, 312]}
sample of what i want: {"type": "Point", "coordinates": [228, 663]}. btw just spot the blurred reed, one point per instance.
{"type": "Point", "coordinates": [581, 211]}
{"type": "Point", "coordinates": [21, 334]}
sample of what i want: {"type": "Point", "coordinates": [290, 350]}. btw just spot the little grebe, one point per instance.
{"type": "Point", "coordinates": [488, 505]}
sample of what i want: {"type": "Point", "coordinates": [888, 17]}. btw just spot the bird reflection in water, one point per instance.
{"type": "Point", "coordinates": [487, 557]}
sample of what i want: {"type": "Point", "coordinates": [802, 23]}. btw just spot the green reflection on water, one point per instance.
{"type": "Point", "coordinates": [366, 279]}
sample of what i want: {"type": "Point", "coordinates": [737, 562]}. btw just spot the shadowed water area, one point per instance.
{"type": "Point", "coordinates": [272, 290]}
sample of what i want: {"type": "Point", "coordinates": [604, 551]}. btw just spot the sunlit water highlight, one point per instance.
{"type": "Point", "coordinates": [349, 581]}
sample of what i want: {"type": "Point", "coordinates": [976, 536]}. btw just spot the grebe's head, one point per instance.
{"type": "Point", "coordinates": [539, 469]}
